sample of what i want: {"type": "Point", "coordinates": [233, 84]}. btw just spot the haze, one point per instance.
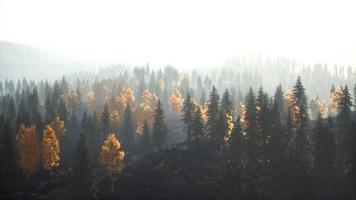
{"type": "Point", "coordinates": [184, 33]}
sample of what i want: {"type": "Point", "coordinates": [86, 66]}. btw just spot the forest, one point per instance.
{"type": "Point", "coordinates": [164, 133]}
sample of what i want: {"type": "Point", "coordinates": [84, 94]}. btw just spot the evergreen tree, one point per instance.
{"type": "Point", "coordinates": [198, 125]}
{"type": "Point", "coordinates": [276, 155]}
{"type": "Point", "coordinates": [301, 122]}
{"type": "Point", "coordinates": [105, 122]}
{"type": "Point", "coordinates": [213, 114]}
{"type": "Point", "coordinates": [226, 104]}
{"type": "Point", "coordinates": [146, 141]}
{"type": "Point", "coordinates": [127, 133]}
{"type": "Point", "coordinates": [160, 130]}
{"type": "Point", "coordinates": [8, 152]}
{"type": "Point", "coordinates": [11, 112]}
{"type": "Point", "coordinates": [50, 111]}
{"type": "Point", "coordinates": [62, 110]}
{"type": "Point", "coordinates": [252, 147]}
{"type": "Point", "coordinates": [278, 99]}
{"type": "Point", "coordinates": [188, 116]}
{"type": "Point", "coordinates": [324, 156]}
{"type": "Point", "coordinates": [82, 181]}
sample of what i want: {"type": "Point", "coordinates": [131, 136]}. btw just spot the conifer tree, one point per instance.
{"type": "Point", "coordinates": [82, 181]}
{"type": "Point", "coordinates": [105, 122]}
{"type": "Point", "coordinates": [8, 152]}
{"type": "Point", "coordinates": [198, 125]}
{"type": "Point", "coordinates": [324, 156]}
{"type": "Point", "coordinates": [160, 130]}
{"type": "Point", "coordinates": [301, 122]}
{"type": "Point", "coordinates": [127, 133]}
{"type": "Point", "coordinates": [213, 114]}
{"type": "Point", "coordinates": [188, 116]}
{"type": "Point", "coordinates": [146, 141]}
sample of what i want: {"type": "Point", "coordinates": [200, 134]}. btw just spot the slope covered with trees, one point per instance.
{"type": "Point", "coordinates": [147, 133]}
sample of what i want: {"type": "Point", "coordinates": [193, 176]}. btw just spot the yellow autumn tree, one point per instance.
{"type": "Point", "coordinates": [230, 126]}
{"type": "Point", "coordinates": [241, 111]}
{"type": "Point", "coordinates": [149, 98]}
{"type": "Point", "coordinates": [176, 101]}
{"type": "Point", "coordinates": [28, 146]}
{"type": "Point", "coordinates": [111, 155]}
{"type": "Point", "coordinates": [50, 148]}
{"type": "Point", "coordinates": [126, 97]}
{"type": "Point", "coordinates": [58, 127]}
{"type": "Point", "coordinates": [335, 99]}
{"type": "Point", "coordinates": [141, 114]}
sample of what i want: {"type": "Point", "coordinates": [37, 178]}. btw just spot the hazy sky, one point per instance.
{"type": "Point", "coordinates": [185, 33]}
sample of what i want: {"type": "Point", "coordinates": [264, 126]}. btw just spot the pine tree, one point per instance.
{"type": "Point", "coordinates": [276, 155]}
{"type": "Point", "coordinates": [105, 122]}
{"type": "Point", "coordinates": [127, 135]}
{"type": "Point", "coordinates": [324, 156]}
{"type": "Point", "coordinates": [188, 116]}
{"type": "Point", "coordinates": [251, 146]}
{"type": "Point", "coordinates": [82, 181]}
{"type": "Point", "coordinates": [8, 152]}
{"type": "Point", "coordinates": [160, 130]}
{"type": "Point", "coordinates": [226, 104]}
{"type": "Point", "coordinates": [146, 141]}
{"type": "Point", "coordinates": [198, 125]}
{"type": "Point", "coordinates": [301, 122]}
{"type": "Point", "coordinates": [62, 110]}
{"type": "Point", "coordinates": [213, 114]}
{"type": "Point", "coordinates": [11, 112]}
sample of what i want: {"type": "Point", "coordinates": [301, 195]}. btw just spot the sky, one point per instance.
{"type": "Point", "coordinates": [185, 33]}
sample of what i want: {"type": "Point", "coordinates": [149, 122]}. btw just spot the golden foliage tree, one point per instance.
{"type": "Point", "coordinates": [241, 112]}
{"type": "Point", "coordinates": [176, 101]}
{"type": "Point", "coordinates": [58, 127]}
{"type": "Point", "coordinates": [149, 98]}
{"type": "Point", "coordinates": [28, 146]}
{"type": "Point", "coordinates": [336, 97]}
{"type": "Point", "coordinates": [126, 97]}
{"type": "Point", "coordinates": [111, 155]}
{"type": "Point", "coordinates": [141, 114]}
{"type": "Point", "coordinates": [50, 148]}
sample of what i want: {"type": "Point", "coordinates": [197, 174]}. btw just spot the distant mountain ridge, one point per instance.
{"type": "Point", "coordinates": [18, 61]}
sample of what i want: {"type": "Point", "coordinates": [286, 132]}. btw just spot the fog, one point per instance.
{"type": "Point", "coordinates": [183, 33]}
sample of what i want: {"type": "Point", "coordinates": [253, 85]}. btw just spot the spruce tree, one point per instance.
{"type": "Point", "coordinates": [160, 129]}
{"type": "Point", "coordinates": [8, 152]}
{"type": "Point", "coordinates": [226, 103]}
{"type": "Point", "coordinates": [324, 157]}
{"type": "Point", "coordinates": [276, 155]}
{"type": "Point", "coordinates": [188, 116]}
{"type": "Point", "coordinates": [198, 125]}
{"type": "Point", "coordinates": [301, 123]}
{"type": "Point", "coordinates": [82, 181]}
{"type": "Point", "coordinates": [127, 133]}
{"type": "Point", "coordinates": [105, 123]}
{"type": "Point", "coordinates": [146, 141]}
{"type": "Point", "coordinates": [213, 114]}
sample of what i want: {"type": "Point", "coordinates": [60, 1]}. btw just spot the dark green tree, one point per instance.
{"type": "Point", "coordinates": [324, 157]}
{"type": "Point", "coordinates": [160, 129]}
{"type": "Point", "coordinates": [198, 125]}
{"type": "Point", "coordinates": [213, 114]}
{"type": "Point", "coordinates": [9, 160]}
{"type": "Point", "coordinates": [146, 141]}
{"type": "Point", "coordinates": [188, 112]}
{"type": "Point", "coordinates": [82, 181]}
{"type": "Point", "coordinates": [105, 123]}
{"type": "Point", "coordinates": [127, 133]}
